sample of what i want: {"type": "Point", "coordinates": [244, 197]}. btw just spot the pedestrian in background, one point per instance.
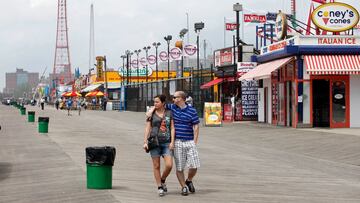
{"type": "Point", "coordinates": [57, 103]}
{"type": "Point", "coordinates": [161, 125]}
{"type": "Point", "coordinates": [42, 103]}
{"type": "Point", "coordinates": [104, 103]}
{"type": "Point", "coordinates": [69, 103]}
{"type": "Point", "coordinates": [78, 105]}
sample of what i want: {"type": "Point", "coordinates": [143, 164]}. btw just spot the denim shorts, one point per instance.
{"type": "Point", "coordinates": [162, 150]}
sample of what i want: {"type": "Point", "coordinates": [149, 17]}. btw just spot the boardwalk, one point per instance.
{"type": "Point", "coordinates": [241, 162]}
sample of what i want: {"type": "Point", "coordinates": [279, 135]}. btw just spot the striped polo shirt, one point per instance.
{"type": "Point", "coordinates": [184, 120]}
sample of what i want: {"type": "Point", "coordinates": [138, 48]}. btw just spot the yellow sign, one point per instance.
{"type": "Point", "coordinates": [212, 114]}
{"type": "Point", "coordinates": [335, 17]}
{"type": "Point", "coordinates": [99, 68]}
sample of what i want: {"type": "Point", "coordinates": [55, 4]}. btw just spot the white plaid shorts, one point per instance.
{"type": "Point", "coordinates": [186, 154]}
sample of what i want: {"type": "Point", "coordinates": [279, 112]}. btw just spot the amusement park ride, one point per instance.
{"type": "Point", "coordinates": [266, 32]}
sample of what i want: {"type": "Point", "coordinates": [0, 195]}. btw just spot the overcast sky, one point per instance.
{"type": "Point", "coordinates": [28, 27]}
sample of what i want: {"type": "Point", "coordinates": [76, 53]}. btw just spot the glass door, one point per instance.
{"type": "Point", "coordinates": [339, 113]}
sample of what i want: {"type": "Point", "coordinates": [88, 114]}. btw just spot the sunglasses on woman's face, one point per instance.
{"type": "Point", "coordinates": [174, 97]}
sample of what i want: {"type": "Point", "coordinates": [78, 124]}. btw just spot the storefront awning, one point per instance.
{"type": "Point", "coordinates": [332, 64]}
{"type": "Point", "coordinates": [264, 70]}
{"type": "Point", "coordinates": [91, 88]}
{"type": "Point", "coordinates": [211, 83]}
{"type": "Point", "coordinates": [113, 85]}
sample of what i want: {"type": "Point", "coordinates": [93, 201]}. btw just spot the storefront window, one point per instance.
{"type": "Point", "coordinates": [338, 101]}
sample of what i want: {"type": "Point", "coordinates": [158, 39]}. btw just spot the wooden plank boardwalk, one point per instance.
{"type": "Point", "coordinates": [240, 162]}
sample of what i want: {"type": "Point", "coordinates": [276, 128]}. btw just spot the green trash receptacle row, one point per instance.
{"type": "Point", "coordinates": [99, 163]}
{"type": "Point", "coordinates": [23, 111]}
{"type": "Point", "coordinates": [43, 124]}
{"type": "Point", "coordinates": [31, 116]}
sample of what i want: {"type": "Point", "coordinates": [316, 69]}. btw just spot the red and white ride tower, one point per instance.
{"type": "Point", "coordinates": [62, 66]}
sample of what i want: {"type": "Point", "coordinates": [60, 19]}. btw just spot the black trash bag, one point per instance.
{"type": "Point", "coordinates": [44, 119]}
{"type": "Point", "coordinates": [104, 156]}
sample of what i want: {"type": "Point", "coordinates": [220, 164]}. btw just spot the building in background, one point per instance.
{"type": "Point", "coordinates": [20, 83]}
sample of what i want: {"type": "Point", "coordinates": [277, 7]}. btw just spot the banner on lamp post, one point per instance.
{"type": "Point", "coordinates": [134, 63]}
{"type": "Point", "coordinates": [190, 50]}
{"type": "Point", "coordinates": [175, 53]}
{"type": "Point", "coordinates": [163, 56]}
{"type": "Point", "coordinates": [151, 59]}
{"type": "Point", "coordinates": [143, 61]}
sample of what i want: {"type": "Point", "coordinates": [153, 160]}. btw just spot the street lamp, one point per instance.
{"type": "Point", "coordinates": [122, 71]}
{"type": "Point", "coordinates": [156, 45]}
{"type": "Point", "coordinates": [168, 39]}
{"type": "Point", "coordinates": [182, 34]}
{"type": "Point", "coordinates": [146, 49]}
{"type": "Point", "coordinates": [198, 27]}
{"type": "Point", "coordinates": [237, 8]}
{"type": "Point", "coordinates": [137, 52]}
{"type": "Point", "coordinates": [128, 62]}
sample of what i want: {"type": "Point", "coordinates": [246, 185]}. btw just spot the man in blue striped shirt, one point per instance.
{"type": "Point", "coordinates": [186, 122]}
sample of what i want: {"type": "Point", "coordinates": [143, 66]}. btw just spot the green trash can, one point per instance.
{"type": "Point", "coordinates": [98, 177]}
{"type": "Point", "coordinates": [43, 124]}
{"type": "Point", "coordinates": [99, 163]}
{"type": "Point", "coordinates": [31, 116]}
{"type": "Point", "coordinates": [23, 111]}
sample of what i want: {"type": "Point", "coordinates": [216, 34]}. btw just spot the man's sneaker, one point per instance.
{"type": "Point", "coordinates": [163, 185]}
{"type": "Point", "coordinates": [161, 191]}
{"type": "Point", "coordinates": [190, 185]}
{"type": "Point", "coordinates": [184, 191]}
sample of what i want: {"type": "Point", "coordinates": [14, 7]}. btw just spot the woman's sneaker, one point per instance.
{"type": "Point", "coordinates": [163, 185]}
{"type": "Point", "coordinates": [190, 185]}
{"type": "Point", "coordinates": [161, 191]}
{"type": "Point", "coordinates": [184, 191]}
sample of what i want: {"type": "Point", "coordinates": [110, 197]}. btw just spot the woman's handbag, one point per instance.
{"type": "Point", "coordinates": [152, 143]}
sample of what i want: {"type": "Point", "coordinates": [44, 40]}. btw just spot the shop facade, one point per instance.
{"type": "Point", "coordinates": [238, 99]}
{"type": "Point", "coordinates": [309, 81]}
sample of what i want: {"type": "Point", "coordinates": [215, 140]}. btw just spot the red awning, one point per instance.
{"type": "Point", "coordinates": [332, 64]}
{"type": "Point", "coordinates": [264, 70]}
{"type": "Point", "coordinates": [211, 83]}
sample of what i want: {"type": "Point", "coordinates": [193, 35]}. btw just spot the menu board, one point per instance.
{"type": "Point", "coordinates": [249, 99]}
{"type": "Point", "coordinates": [228, 116]}
{"type": "Point", "coordinates": [212, 114]}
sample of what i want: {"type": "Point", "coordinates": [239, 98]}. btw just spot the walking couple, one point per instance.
{"type": "Point", "coordinates": [177, 129]}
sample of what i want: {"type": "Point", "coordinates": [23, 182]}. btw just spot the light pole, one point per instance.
{"type": "Point", "coordinates": [156, 45]}
{"type": "Point", "coordinates": [198, 27]}
{"type": "Point", "coordinates": [182, 34]}
{"type": "Point", "coordinates": [137, 52]}
{"type": "Point", "coordinates": [237, 8]}
{"type": "Point", "coordinates": [128, 62]}
{"type": "Point", "coordinates": [122, 71]}
{"type": "Point", "coordinates": [168, 39]}
{"type": "Point", "coordinates": [146, 49]}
